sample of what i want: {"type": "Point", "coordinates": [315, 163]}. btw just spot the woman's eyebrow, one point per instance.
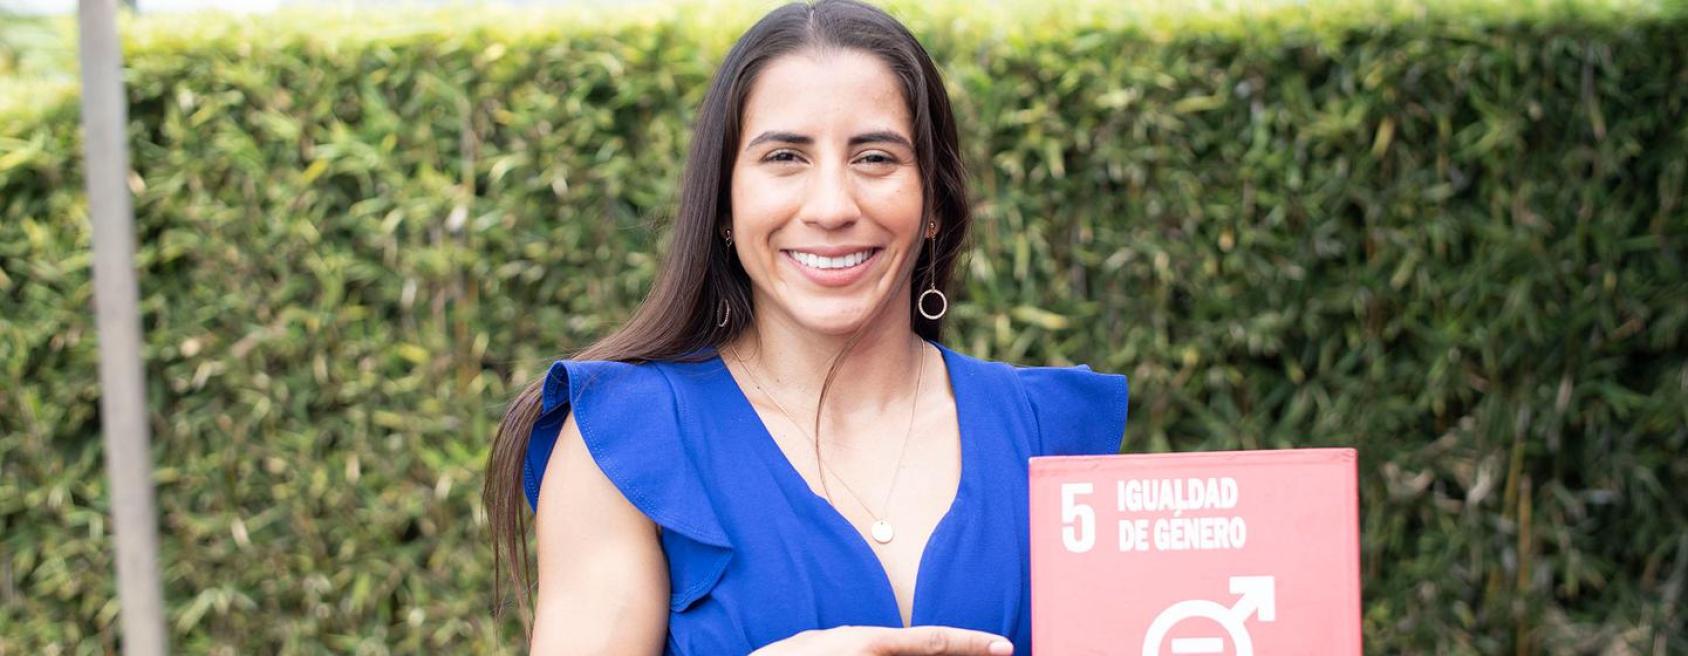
{"type": "Point", "coordinates": [880, 136]}
{"type": "Point", "coordinates": [782, 137]}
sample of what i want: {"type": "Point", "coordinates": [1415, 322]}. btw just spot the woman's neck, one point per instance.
{"type": "Point", "coordinates": [874, 379]}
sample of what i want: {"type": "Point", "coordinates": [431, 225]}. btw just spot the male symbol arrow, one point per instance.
{"type": "Point", "coordinates": [1259, 595]}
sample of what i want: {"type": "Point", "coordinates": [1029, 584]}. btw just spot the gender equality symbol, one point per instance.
{"type": "Point", "coordinates": [1258, 596]}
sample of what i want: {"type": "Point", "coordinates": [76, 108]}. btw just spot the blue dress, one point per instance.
{"type": "Point", "coordinates": [755, 556]}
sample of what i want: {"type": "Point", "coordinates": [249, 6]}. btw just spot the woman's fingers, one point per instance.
{"type": "Point", "coordinates": [939, 641]}
{"type": "Point", "coordinates": [884, 641]}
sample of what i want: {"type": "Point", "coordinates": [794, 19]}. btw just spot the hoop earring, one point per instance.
{"type": "Point", "coordinates": [725, 312]}
{"type": "Point", "coordinates": [943, 304]}
{"type": "Point", "coordinates": [931, 284]}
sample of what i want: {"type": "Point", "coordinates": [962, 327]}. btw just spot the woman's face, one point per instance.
{"type": "Point", "coordinates": [826, 192]}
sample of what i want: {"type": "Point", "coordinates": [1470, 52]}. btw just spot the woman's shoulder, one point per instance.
{"type": "Point", "coordinates": [571, 382]}
{"type": "Point", "coordinates": [628, 417]}
{"type": "Point", "coordinates": [1077, 410]}
{"type": "Point", "coordinates": [597, 393]}
{"type": "Point", "coordinates": [615, 389]}
{"type": "Point", "coordinates": [630, 421]}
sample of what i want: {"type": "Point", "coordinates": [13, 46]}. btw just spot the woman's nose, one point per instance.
{"type": "Point", "coordinates": [830, 203]}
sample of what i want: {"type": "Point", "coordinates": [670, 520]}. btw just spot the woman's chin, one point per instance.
{"type": "Point", "coordinates": [832, 319]}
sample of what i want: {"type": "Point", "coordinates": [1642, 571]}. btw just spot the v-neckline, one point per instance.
{"type": "Point", "coordinates": [789, 476]}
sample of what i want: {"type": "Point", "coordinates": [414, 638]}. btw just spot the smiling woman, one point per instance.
{"type": "Point", "coordinates": [864, 489]}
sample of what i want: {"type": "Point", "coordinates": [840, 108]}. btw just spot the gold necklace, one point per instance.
{"type": "Point", "coordinates": [881, 530]}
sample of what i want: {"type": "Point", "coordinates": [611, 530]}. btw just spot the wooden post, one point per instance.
{"type": "Point", "coordinates": [122, 382]}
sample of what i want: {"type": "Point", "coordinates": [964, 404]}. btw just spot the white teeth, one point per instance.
{"type": "Point", "coordinates": [821, 262]}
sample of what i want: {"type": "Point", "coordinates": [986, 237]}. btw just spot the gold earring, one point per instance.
{"type": "Point", "coordinates": [931, 281]}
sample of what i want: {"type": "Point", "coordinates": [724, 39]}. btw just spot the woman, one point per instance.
{"type": "Point", "coordinates": [776, 444]}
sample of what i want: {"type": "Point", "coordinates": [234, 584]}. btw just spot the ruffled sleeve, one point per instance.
{"type": "Point", "coordinates": [629, 419]}
{"type": "Point", "coordinates": [1078, 411]}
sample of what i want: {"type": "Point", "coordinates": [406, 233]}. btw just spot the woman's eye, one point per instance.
{"type": "Point", "coordinates": [781, 156]}
{"type": "Point", "coordinates": [878, 158]}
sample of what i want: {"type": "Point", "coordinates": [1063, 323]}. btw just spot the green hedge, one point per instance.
{"type": "Point", "coordinates": [1449, 234]}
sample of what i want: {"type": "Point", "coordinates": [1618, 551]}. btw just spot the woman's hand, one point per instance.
{"type": "Point", "coordinates": [884, 641]}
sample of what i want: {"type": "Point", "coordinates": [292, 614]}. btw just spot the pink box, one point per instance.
{"type": "Point", "coordinates": [1231, 552]}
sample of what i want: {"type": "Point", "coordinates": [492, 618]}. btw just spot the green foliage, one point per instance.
{"type": "Point", "coordinates": [36, 53]}
{"type": "Point", "coordinates": [1450, 234]}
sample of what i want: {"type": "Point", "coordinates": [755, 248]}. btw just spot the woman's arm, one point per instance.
{"type": "Point", "coordinates": [603, 581]}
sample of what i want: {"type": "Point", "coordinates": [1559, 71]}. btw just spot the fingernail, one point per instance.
{"type": "Point", "coordinates": [1002, 648]}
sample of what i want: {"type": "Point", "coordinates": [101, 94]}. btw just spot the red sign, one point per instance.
{"type": "Point", "coordinates": [1235, 552]}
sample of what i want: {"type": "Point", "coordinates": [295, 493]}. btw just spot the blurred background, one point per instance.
{"type": "Point", "coordinates": [1450, 233]}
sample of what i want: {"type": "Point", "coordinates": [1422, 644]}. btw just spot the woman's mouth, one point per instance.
{"type": "Point", "coordinates": [836, 269]}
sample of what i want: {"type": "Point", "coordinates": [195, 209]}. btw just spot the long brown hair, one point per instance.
{"type": "Point", "coordinates": [678, 319]}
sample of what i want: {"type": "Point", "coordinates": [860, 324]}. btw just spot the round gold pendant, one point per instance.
{"type": "Point", "coordinates": [882, 532]}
